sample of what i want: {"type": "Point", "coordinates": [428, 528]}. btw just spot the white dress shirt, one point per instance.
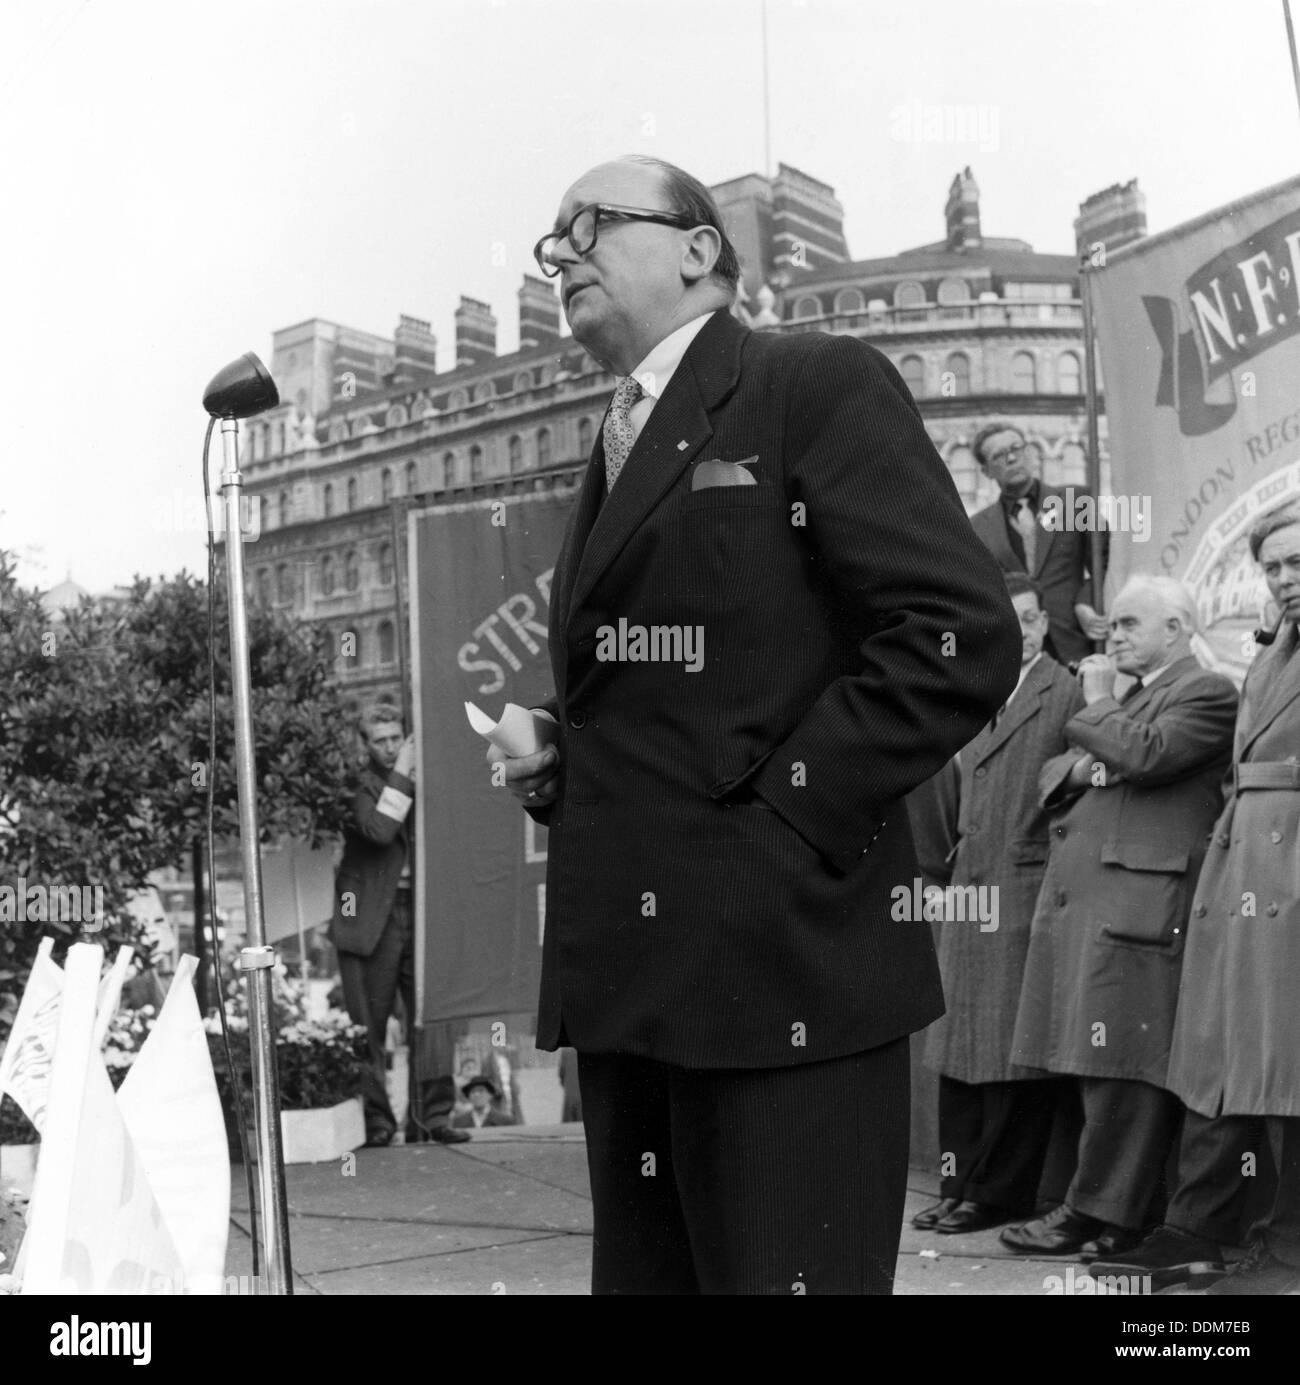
{"type": "Point", "coordinates": [660, 365]}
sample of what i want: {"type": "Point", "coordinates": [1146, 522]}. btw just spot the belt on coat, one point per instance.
{"type": "Point", "coordinates": [1266, 774]}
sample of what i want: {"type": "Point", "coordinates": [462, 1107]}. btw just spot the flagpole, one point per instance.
{"type": "Point", "coordinates": [1290, 38]}
{"type": "Point", "coordinates": [1095, 557]}
{"type": "Point", "coordinates": [767, 103]}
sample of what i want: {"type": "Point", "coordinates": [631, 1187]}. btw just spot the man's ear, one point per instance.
{"type": "Point", "coordinates": [700, 253]}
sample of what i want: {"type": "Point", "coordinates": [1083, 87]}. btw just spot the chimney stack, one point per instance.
{"type": "Point", "coordinates": [539, 312]}
{"type": "Point", "coordinates": [416, 355]}
{"type": "Point", "coordinates": [476, 332]}
{"type": "Point", "coordinates": [1114, 217]}
{"type": "Point", "coordinates": [962, 212]}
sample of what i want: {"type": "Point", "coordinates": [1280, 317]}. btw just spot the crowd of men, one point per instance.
{"type": "Point", "coordinates": [1145, 867]}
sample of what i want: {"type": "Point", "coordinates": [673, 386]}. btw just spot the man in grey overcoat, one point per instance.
{"type": "Point", "coordinates": [995, 1118]}
{"type": "Point", "coordinates": [1135, 798]}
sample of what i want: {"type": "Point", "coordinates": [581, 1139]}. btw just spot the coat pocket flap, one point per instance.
{"type": "Point", "coordinates": [1136, 855]}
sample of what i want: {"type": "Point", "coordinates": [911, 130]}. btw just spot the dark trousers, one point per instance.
{"type": "Point", "coordinates": [767, 1181]}
{"type": "Point", "coordinates": [371, 985]}
{"type": "Point", "coordinates": [1218, 1159]}
{"type": "Point", "coordinates": [994, 1137]}
{"type": "Point", "coordinates": [1129, 1129]}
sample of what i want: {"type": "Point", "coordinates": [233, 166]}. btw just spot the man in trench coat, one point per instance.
{"type": "Point", "coordinates": [995, 1118]}
{"type": "Point", "coordinates": [1235, 1061]}
{"type": "Point", "coordinates": [1136, 797]}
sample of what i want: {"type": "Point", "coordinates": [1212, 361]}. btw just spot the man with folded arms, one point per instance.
{"type": "Point", "coordinates": [1132, 802]}
{"type": "Point", "coordinates": [725, 835]}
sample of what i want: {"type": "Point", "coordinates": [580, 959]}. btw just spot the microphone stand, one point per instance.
{"type": "Point", "coordinates": [257, 958]}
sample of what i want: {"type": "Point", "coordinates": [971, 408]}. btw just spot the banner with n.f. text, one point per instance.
{"type": "Point", "coordinates": [480, 600]}
{"type": "Point", "coordinates": [1199, 334]}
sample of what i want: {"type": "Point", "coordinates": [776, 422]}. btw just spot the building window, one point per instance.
{"type": "Point", "coordinates": [807, 307]}
{"type": "Point", "coordinates": [352, 493]}
{"type": "Point", "coordinates": [516, 453]}
{"type": "Point", "coordinates": [327, 500]}
{"type": "Point", "coordinates": [283, 586]}
{"type": "Point", "coordinates": [338, 431]}
{"type": "Point", "coordinates": [412, 478]}
{"type": "Point", "coordinates": [475, 464]}
{"type": "Point", "coordinates": [1023, 378]}
{"type": "Point", "coordinates": [458, 398]}
{"type": "Point", "coordinates": [849, 301]}
{"type": "Point", "coordinates": [385, 564]}
{"type": "Point", "coordinates": [956, 371]}
{"type": "Point", "coordinates": [487, 390]}
{"type": "Point", "coordinates": [386, 484]}
{"type": "Point", "coordinates": [953, 291]}
{"type": "Point", "coordinates": [351, 571]}
{"type": "Point", "coordinates": [912, 369]}
{"type": "Point", "coordinates": [1067, 373]}
{"type": "Point", "coordinates": [585, 431]}
{"type": "Point", "coordinates": [543, 447]}
{"type": "Point", "coordinates": [523, 381]}
{"type": "Point", "coordinates": [327, 575]}
{"type": "Point", "coordinates": [387, 643]}
{"type": "Point", "coordinates": [907, 296]}
{"type": "Point", "coordinates": [396, 416]}
{"type": "Point", "coordinates": [448, 469]}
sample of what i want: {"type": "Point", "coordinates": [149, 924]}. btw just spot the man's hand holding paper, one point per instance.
{"type": "Point", "coordinates": [524, 741]}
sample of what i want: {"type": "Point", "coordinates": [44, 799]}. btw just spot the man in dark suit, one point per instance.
{"type": "Point", "coordinates": [374, 936]}
{"type": "Point", "coordinates": [1133, 800]}
{"type": "Point", "coordinates": [769, 621]}
{"type": "Point", "coordinates": [1023, 538]}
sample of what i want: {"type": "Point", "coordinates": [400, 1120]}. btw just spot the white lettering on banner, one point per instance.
{"type": "Point", "coordinates": [518, 618]}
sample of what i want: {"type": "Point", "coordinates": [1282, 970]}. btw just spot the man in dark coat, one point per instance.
{"type": "Point", "coordinates": [995, 1117]}
{"type": "Point", "coordinates": [1235, 1061]}
{"type": "Point", "coordinates": [770, 620]}
{"type": "Point", "coordinates": [1133, 800]}
{"type": "Point", "coordinates": [373, 933]}
{"type": "Point", "coordinates": [1024, 538]}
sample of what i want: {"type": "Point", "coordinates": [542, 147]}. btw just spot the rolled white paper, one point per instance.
{"type": "Point", "coordinates": [521, 730]}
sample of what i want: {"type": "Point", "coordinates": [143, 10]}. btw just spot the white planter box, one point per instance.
{"type": "Point", "coordinates": [18, 1167]}
{"type": "Point", "coordinates": [312, 1137]}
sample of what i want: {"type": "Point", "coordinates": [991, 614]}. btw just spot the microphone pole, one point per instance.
{"type": "Point", "coordinates": [242, 389]}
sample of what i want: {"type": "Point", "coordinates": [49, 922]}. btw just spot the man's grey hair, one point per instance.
{"type": "Point", "coordinates": [1175, 598]}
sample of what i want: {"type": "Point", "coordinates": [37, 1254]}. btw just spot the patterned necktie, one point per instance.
{"type": "Point", "coordinates": [1028, 527]}
{"type": "Point", "coordinates": [617, 433]}
{"type": "Point", "coordinates": [1131, 691]}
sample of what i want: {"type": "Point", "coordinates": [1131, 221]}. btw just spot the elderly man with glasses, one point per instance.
{"type": "Point", "coordinates": [722, 942]}
{"type": "Point", "coordinates": [1014, 529]}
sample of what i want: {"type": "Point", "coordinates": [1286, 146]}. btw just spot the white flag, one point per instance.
{"type": "Point", "coordinates": [28, 1056]}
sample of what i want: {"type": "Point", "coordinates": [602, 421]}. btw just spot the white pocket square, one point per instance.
{"type": "Point", "coordinates": [719, 473]}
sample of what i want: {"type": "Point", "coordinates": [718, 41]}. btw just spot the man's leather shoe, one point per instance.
{"type": "Point", "coordinates": [1063, 1232]}
{"type": "Point", "coordinates": [928, 1217]}
{"type": "Point", "coordinates": [1115, 1240]}
{"type": "Point", "coordinates": [1167, 1257]}
{"type": "Point", "coordinates": [378, 1139]}
{"type": "Point", "coordinates": [968, 1217]}
{"type": "Point", "coordinates": [445, 1135]}
{"type": "Point", "coordinates": [1261, 1272]}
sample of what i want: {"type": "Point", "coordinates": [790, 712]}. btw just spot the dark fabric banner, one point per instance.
{"type": "Point", "coordinates": [480, 599]}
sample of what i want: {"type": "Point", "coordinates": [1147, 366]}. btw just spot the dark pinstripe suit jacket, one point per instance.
{"type": "Point", "coordinates": [724, 846]}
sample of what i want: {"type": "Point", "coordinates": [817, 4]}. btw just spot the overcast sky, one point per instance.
{"type": "Point", "coordinates": [182, 179]}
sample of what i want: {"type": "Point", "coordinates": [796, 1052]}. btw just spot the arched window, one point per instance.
{"type": "Point", "coordinates": [807, 307]}
{"type": "Point", "coordinates": [516, 453]}
{"type": "Point", "coordinates": [396, 416]}
{"type": "Point", "coordinates": [385, 564]}
{"type": "Point", "coordinates": [909, 295]}
{"type": "Point", "coordinates": [387, 642]}
{"type": "Point", "coordinates": [475, 463]}
{"type": "Point", "coordinates": [458, 398]}
{"type": "Point", "coordinates": [327, 575]}
{"type": "Point", "coordinates": [351, 571]}
{"type": "Point", "coordinates": [1023, 376]}
{"type": "Point", "coordinates": [849, 301]}
{"type": "Point", "coordinates": [284, 508]}
{"type": "Point", "coordinates": [352, 493]}
{"type": "Point", "coordinates": [585, 432]}
{"type": "Point", "coordinates": [412, 477]}
{"type": "Point", "coordinates": [327, 500]}
{"type": "Point", "coordinates": [386, 484]}
{"type": "Point", "coordinates": [1067, 373]}
{"type": "Point", "coordinates": [338, 431]}
{"type": "Point", "coordinates": [523, 381]}
{"type": "Point", "coordinates": [543, 447]}
{"type": "Point", "coordinates": [283, 584]}
{"type": "Point", "coordinates": [956, 371]}
{"type": "Point", "coordinates": [487, 390]}
{"type": "Point", "coordinates": [912, 369]}
{"type": "Point", "coordinates": [448, 469]}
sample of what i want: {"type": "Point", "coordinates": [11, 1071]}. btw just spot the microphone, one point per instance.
{"type": "Point", "coordinates": [1268, 636]}
{"type": "Point", "coordinates": [241, 389]}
